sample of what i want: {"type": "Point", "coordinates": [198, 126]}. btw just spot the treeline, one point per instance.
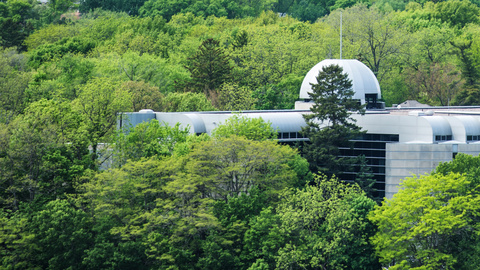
{"type": "Point", "coordinates": [236, 199]}
{"type": "Point", "coordinates": [422, 51]}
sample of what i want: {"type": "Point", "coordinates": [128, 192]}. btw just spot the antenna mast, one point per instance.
{"type": "Point", "coordinates": [340, 35]}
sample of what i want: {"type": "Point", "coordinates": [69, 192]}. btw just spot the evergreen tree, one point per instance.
{"type": "Point", "coordinates": [365, 178]}
{"type": "Point", "coordinates": [470, 94]}
{"type": "Point", "coordinates": [209, 67]}
{"type": "Point", "coordinates": [240, 40]}
{"type": "Point", "coordinates": [330, 126]}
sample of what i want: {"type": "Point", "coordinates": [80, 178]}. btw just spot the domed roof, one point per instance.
{"type": "Point", "coordinates": [363, 79]}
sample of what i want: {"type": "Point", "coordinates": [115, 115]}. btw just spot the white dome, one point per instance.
{"type": "Point", "coordinates": [363, 79]}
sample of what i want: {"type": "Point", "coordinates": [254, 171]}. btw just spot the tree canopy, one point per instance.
{"type": "Point", "coordinates": [75, 193]}
{"type": "Point", "coordinates": [432, 221]}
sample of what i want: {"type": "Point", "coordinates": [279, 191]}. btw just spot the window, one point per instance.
{"type": "Point", "coordinates": [441, 138]}
{"type": "Point", "coordinates": [473, 138]}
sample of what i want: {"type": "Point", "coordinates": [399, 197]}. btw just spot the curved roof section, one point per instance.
{"type": "Point", "coordinates": [197, 122]}
{"type": "Point", "coordinates": [439, 125]}
{"type": "Point", "coordinates": [363, 79]}
{"type": "Point", "coordinates": [282, 122]}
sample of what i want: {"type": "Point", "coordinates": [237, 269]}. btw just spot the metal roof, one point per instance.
{"type": "Point", "coordinates": [363, 79]}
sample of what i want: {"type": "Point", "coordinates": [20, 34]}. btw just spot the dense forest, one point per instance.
{"type": "Point", "coordinates": [235, 199]}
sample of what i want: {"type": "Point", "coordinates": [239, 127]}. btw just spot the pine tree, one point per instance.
{"type": "Point", "coordinates": [330, 126]}
{"type": "Point", "coordinates": [209, 67]}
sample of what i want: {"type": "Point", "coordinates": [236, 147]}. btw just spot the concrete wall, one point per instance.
{"type": "Point", "coordinates": [405, 160]}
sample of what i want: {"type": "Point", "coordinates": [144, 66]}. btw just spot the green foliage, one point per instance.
{"type": "Point", "coordinates": [101, 25]}
{"type": "Point", "coordinates": [234, 215]}
{"type": "Point", "coordinates": [240, 39]}
{"type": "Point", "coordinates": [373, 37]}
{"type": "Point", "coordinates": [429, 223]}
{"type": "Point", "coordinates": [209, 67]}
{"type": "Point", "coordinates": [457, 13]}
{"type": "Point", "coordinates": [121, 200]}
{"type": "Point", "coordinates": [435, 84]}
{"type": "Point", "coordinates": [462, 164]}
{"type": "Point", "coordinates": [278, 55]}
{"type": "Point", "coordinates": [44, 154]}
{"type": "Point", "coordinates": [189, 210]}
{"type": "Point", "coordinates": [144, 96]}
{"type": "Point", "coordinates": [395, 90]}
{"type": "Point", "coordinates": [60, 80]}
{"type": "Point", "coordinates": [13, 83]}
{"type": "Point", "coordinates": [136, 66]}
{"type": "Point", "coordinates": [309, 10]}
{"type": "Point", "coordinates": [99, 102]}
{"type": "Point", "coordinates": [263, 239]}
{"type": "Point", "coordinates": [365, 178]}
{"type": "Point", "coordinates": [50, 34]}
{"type": "Point", "coordinates": [130, 7]}
{"type": "Point", "coordinates": [330, 125]}
{"type": "Point", "coordinates": [181, 211]}
{"type": "Point", "coordinates": [326, 227]}
{"type": "Point", "coordinates": [228, 8]}
{"type": "Point", "coordinates": [16, 242]}
{"type": "Point", "coordinates": [230, 166]}
{"type": "Point", "coordinates": [187, 102]}
{"type": "Point", "coordinates": [232, 97]}
{"type": "Point", "coordinates": [57, 11]}
{"type": "Point", "coordinates": [280, 96]}
{"type": "Point", "coordinates": [15, 22]}
{"type": "Point", "coordinates": [49, 52]}
{"type": "Point", "coordinates": [250, 128]}
{"type": "Point", "coordinates": [470, 73]}
{"type": "Point", "coordinates": [147, 139]}
{"type": "Point", "coordinates": [62, 234]}
{"type": "Point", "coordinates": [75, 72]}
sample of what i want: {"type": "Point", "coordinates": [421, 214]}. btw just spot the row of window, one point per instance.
{"type": "Point", "coordinates": [362, 152]}
{"type": "Point", "coordinates": [378, 137]}
{"type": "Point", "coordinates": [470, 138]}
{"type": "Point", "coordinates": [439, 138]}
{"type": "Point", "coordinates": [290, 135]}
{"type": "Point", "coordinates": [473, 138]}
{"type": "Point", "coordinates": [370, 145]}
{"type": "Point", "coordinates": [374, 141]}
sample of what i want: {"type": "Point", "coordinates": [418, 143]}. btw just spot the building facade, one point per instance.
{"type": "Point", "coordinates": [399, 141]}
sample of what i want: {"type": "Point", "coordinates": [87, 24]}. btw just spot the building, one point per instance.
{"type": "Point", "coordinates": [400, 141]}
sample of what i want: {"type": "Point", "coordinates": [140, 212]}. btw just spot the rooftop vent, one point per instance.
{"type": "Point", "coordinates": [146, 111]}
{"type": "Point", "coordinates": [416, 113]}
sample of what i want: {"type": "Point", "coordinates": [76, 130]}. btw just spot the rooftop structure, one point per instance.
{"type": "Point", "coordinates": [364, 83]}
{"type": "Point", "coordinates": [400, 141]}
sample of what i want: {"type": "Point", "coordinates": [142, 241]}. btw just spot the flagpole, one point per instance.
{"type": "Point", "coordinates": [340, 35]}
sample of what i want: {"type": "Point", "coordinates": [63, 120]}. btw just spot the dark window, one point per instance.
{"type": "Point", "coordinates": [371, 101]}
{"type": "Point", "coordinates": [443, 137]}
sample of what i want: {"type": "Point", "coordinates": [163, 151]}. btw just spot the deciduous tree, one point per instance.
{"type": "Point", "coordinates": [144, 96]}
{"type": "Point", "coordinates": [250, 128]}
{"type": "Point", "coordinates": [99, 102]}
{"type": "Point", "coordinates": [325, 227]}
{"type": "Point", "coordinates": [432, 222]}
{"type": "Point", "coordinates": [45, 153]}
{"type": "Point", "coordinates": [232, 97]}
{"type": "Point", "coordinates": [147, 139]}
{"type": "Point", "coordinates": [371, 37]}
{"type": "Point", "coordinates": [187, 102]}
{"type": "Point", "coordinates": [231, 166]}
